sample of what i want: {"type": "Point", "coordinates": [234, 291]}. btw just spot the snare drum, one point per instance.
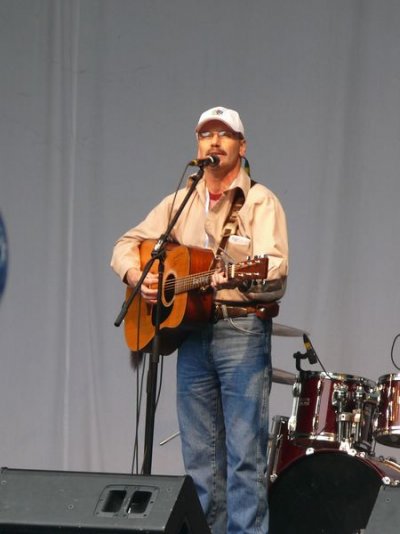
{"type": "Point", "coordinates": [387, 423]}
{"type": "Point", "coordinates": [331, 407]}
{"type": "Point", "coordinates": [328, 491]}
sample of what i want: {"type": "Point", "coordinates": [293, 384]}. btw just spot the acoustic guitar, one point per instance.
{"type": "Point", "coordinates": [186, 295]}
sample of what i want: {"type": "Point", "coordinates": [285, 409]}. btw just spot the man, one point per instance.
{"type": "Point", "coordinates": [224, 367]}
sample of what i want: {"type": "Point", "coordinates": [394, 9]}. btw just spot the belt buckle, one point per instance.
{"type": "Point", "coordinates": [215, 316]}
{"type": "Point", "coordinates": [220, 312]}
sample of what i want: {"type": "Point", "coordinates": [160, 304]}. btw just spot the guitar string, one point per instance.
{"type": "Point", "coordinates": [183, 279]}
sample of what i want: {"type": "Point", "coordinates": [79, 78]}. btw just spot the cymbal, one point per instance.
{"type": "Point", "coordinates": [286, 331]}
{"type": "Point", "coordinates": [279, 376]}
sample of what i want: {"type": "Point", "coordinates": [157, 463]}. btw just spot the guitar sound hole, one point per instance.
{"type": "Point", "coordinates": [168, 296]}
{"type": "Point", "coordinates": [169, 289]}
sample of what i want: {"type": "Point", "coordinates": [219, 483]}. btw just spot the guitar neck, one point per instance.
{"type": "Point", "coordinates": [253, 269]}
{"type": "Point", "coordinates": [203, 280]}
{"type": "Point", "coordinates": [193, 281]}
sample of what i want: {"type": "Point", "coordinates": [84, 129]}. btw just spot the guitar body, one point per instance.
{"type": "Point", "coordinates": [178, 308]}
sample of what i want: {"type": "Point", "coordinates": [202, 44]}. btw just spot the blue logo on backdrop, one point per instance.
{"type": "Point", "coordinates": [3, 255]}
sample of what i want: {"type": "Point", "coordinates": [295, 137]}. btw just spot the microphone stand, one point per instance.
{"type": "Point", "coordinates": [158, 253]}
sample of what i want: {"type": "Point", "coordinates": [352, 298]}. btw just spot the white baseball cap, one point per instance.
{"type": "Point", "coordinates": [230, 117]}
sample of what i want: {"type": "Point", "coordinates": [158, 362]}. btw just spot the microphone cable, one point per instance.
{"type": "Point", "coordinates": [392, 352]}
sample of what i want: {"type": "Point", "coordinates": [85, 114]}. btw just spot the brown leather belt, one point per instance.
{"type": "Point", "coordinates": [263, 312]}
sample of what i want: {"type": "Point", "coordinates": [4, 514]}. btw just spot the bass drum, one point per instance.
{"type": "Point", "coordinates": [329, 492]}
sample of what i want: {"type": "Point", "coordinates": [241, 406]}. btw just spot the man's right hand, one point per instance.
{"type": "Point", "coordinates": [149, 285]}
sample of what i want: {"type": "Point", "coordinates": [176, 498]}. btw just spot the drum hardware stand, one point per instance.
{"type": "Point", "coordinates": [348, 423]}
{"type": "Point", "coordinates": [344, 419]}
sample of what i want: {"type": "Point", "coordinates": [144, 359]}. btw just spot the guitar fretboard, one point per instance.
{"type": "Point", "coordinates": [195, 281]}
{"type": "Point", "coordinates": [187, 283]}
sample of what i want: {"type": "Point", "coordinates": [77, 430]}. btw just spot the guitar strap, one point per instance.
{"type": "Point", "coordinates": [230, 224]}
{"type": "Point", "coordinates": [270, 309]}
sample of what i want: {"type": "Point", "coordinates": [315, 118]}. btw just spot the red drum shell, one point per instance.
{"type": "Point", "coordinates": [387, 423]}
{"type": "Point", "coordinates": [328, 491]}
{"type": "Point", "coordinates": [314, 416]}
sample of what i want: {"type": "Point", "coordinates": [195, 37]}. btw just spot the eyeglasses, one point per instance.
{"type": "Point", "coordinates": [222, 134]}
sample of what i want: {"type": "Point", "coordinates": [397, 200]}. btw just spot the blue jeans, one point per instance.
{"type": "Point", "coordinates": [223, 382]}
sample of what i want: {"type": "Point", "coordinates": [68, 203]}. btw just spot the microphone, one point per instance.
{"type": "Point", "coordinates": [213, 161]}
{"type": "Point", "coordinates": [311, 354]}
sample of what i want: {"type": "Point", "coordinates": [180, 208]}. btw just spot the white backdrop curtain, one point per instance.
{"type": "Point", "coordinates": [98, 103]}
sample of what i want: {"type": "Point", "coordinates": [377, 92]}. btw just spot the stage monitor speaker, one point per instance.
{"type": "Point", "coordinates": [385, 515]}
{"type": "Point", "coordinates": [33, 501]}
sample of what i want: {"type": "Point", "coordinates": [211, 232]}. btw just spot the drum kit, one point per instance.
{"type": "Point", "coordinates": [323, 473]}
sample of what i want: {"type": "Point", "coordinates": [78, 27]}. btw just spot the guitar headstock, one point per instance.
{"type": "Point", "coordinates": [253, 269]}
